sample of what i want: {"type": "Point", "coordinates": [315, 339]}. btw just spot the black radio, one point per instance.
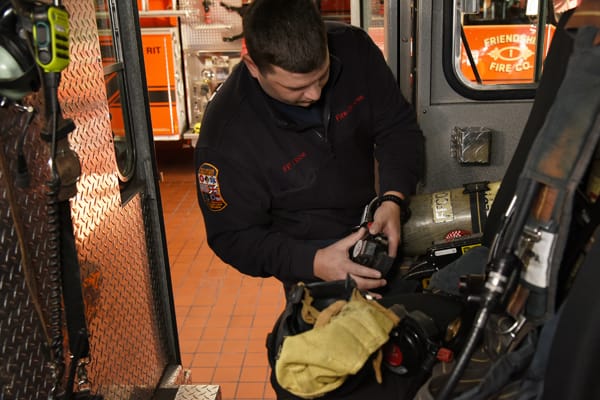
{"type": "Point", "coordinates": [371, 251]}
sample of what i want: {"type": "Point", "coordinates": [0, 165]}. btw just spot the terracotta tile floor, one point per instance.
{"type": "Point", "coordinates": [222, 316]}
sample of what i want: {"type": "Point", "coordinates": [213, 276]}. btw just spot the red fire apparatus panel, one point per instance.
{"type": "Point", "coordinates": [165, 82]}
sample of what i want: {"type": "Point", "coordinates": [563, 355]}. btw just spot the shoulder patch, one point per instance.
{"type": "Point", "coordinates": [208, 182]}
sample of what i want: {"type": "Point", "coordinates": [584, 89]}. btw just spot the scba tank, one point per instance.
{"type": "Point", "coordinates": [447, 215]}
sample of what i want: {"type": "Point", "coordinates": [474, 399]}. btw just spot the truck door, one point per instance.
{"type": "Point", "coordinates": [470, 68]}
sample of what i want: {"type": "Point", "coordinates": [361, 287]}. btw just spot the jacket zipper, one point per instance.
{"type": "Point", "coordinates": [326, 118]}
{"type": "Point", "coordinates": [320, 135]}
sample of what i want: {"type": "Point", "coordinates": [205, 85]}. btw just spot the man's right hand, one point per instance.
{"type": "Point", "coordinates": [333, 263]}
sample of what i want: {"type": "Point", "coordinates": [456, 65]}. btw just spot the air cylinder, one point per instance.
{"type": "Point", "coordinates": [446, 215]}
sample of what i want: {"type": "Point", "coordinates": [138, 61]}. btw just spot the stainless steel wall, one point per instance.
{"type": "Point", "coordinates": [124, 299]}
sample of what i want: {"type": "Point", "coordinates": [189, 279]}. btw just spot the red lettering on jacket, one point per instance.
{"type": "Point", "coordinates": [340, 116]}
{"type": "Point", "coordinates": [288, 166]}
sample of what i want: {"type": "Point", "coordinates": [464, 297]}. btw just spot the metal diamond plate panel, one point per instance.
{"type": "Point", "coordinates": [24, 284]}
{"type": "Point", "coordinates": [198, 392]}
{"type": "Point", "coordinates": [128, 355]}
{"type": "Point", "coordinates": [188, 392]}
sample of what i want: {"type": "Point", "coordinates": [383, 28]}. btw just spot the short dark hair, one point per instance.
{"type": "Point", "coordinates": [289, 34]}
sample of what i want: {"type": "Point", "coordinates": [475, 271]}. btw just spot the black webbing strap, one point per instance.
{"type": "Point", "coordinates": [561, 155]}
{"type": "Point", "coordinates": [73, 300]}
{"type": "Point", "coordinates": [586, 218]}
{"type": "Point", "coordinates": [72, 293]}
{"type": "Point", "coordinates": [476, 192]}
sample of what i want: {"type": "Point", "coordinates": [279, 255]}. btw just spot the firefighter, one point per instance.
{"type": "Point", "coordinates": [285, 160]}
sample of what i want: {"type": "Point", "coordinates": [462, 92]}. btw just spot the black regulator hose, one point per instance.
{"type": "Point", "coordinates": [494, 288]}
{"type": "Point", "coordinates": [51, 80]}
{"type": "Point", "coordinates": [55, 286]}
{"type": "Point", "coordinates": [501, 268]}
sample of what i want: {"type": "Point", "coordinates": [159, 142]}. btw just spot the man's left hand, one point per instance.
{"type": "Point", "coordinates": [386, 220]}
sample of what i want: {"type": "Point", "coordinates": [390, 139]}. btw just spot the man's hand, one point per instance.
{"type": "Point", "coordinates": [333, 263]}
{"type": "Point", "coordinates": [386, 220]}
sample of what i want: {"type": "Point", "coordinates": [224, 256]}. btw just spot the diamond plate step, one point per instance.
{"type": "Point", "coordinates": [189, 392]}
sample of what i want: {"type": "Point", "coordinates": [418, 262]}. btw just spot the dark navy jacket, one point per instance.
{"type": "Point", "coordinates": [271, 186]}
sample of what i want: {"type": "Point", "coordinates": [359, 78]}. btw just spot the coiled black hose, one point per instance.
{"type": "Point", "coordinates": [55, 285]}
{"type": "Point", "coordinates": [53, 210]}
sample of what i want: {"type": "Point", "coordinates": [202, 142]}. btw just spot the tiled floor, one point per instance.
{"type": "Point", "coordinates": [222, 315]}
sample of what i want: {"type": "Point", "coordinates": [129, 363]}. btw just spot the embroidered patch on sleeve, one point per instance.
{"type": "Point", "coordinates": [209, 187]}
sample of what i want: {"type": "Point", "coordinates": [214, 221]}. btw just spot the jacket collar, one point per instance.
{"type": "Point", "coordinates": [261, 101]}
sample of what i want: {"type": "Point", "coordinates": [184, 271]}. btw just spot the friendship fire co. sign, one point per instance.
{"type": "Point", "coordinates": [503, 53]}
